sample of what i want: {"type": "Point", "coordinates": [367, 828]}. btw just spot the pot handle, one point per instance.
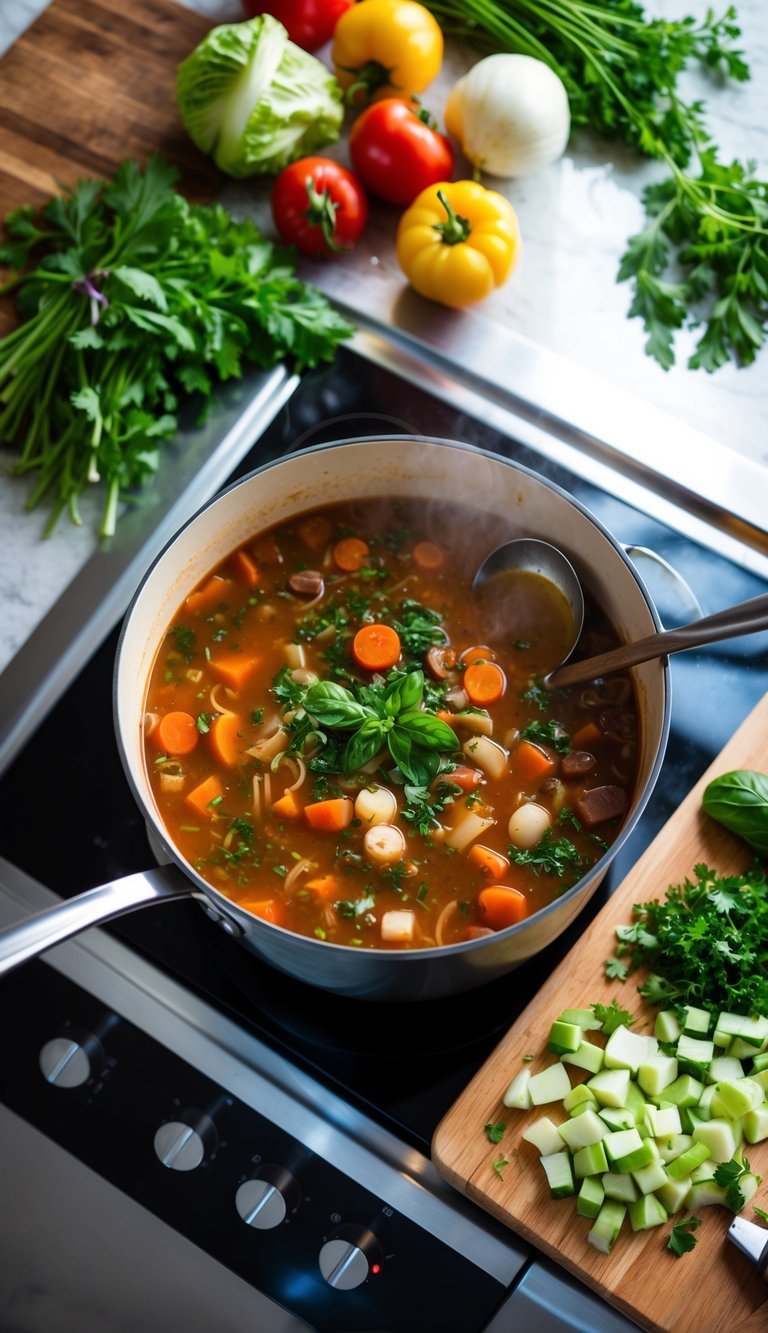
{"type": "Point", "coordinates": [675, 600]}
{"type": "Point", "coordinates": [54, 924]}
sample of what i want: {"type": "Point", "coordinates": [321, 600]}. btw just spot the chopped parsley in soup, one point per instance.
{"type": "Point", "coordinates": [347, 742]}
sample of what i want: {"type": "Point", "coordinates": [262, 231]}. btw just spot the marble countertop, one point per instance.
{"type": "Point", "coordinates": [575, 219]}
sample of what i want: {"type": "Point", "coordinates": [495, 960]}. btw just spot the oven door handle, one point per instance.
{"type": "Point", "coordinates": [42, 931]}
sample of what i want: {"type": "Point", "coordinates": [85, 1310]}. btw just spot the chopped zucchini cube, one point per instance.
{"type": "Point", "coordinates": [590, 1198]}
{"type": "Point", "coordinates": [564, 1037]}
{"type": "Point", "coordinates": [650, 1178]}
{"type": "Point", "coordinates": [718, 1137]}
{"type": "Point", "coordinates": [578, 1095]}
{"type": "Point", "coordinates": [656, 1073]}
{"type": "Point", "coordinates": [663, 1121]}
{"type": "Point", "coordinates": [759, 1063]}
{"type": "Point", "coordinates": [590, 1161]}
{"type": "Point", "coordinates": [518, 1096]}
{"type": "Point", "coordinates": [588, 1056]}
{"type": "Point", "coordinates": [544, 1135]}
{"type": "Point", "coordinates": [585, 1018]}
{"type": "Point", "coordinates": [608, 1224]}
{"type": "Point", "coordinates": [610, 1087]}
{"type": "Point", "coordinates": [620, 1142]}
{"type": "Point", "coordinates": [671, 1148]}
{"type": "Point", "coordinates": [551, 1085]}
{"type": "Point", "coordinates": [667, 1027]}
{"type": "Point", "coordinates": [583, 1130]}
{"type": "Point", "coordinates": [688, 1161]}
{"type": "Point", "coordinates": [557, 1168]}
{"type": "Point", "coordinates": [646, 1213]}
{"type": "Point", "coordinates": [748, 1187]}
{"type": "Point", "coordinates": [620, 1185]}
{"type": "Point", "coordinates": [696, 1022]}
{"type": "Point", "coordinates": [694, 1055]}
{"type": "Point", "coordinates": [761, 1078]}
{"type": "Point", "coordinates": [685, 1091]}
{"type": "Point", "coordinates": [755, 1124]}
{"type": "Point", "coordinates": [705, 1194]}
{"type": "Point", "coordinates": [732, 1100]}
{"type": "Point", "coordinates": [636, 1103]}
{"type": "Point", "coordinates": [639, 1158]}
{"type": "Point", "coordinates": [752, 1031]}
{"type": "Point", "coordinates": [674, 1194]}
{"type": "Point", "coordinates": [724, 1068]}
{"type": "Point", "coordinates": [628, 1050]}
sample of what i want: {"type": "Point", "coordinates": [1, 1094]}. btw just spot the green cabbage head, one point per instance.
{"type": "Point", "coordinates": [255, 101]}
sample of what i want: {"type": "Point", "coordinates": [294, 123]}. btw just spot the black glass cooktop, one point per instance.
{"type": "Point", "coordinates": [70, 821]}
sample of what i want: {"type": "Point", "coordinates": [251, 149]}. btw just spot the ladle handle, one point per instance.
{"type": "Point", "coordinates": [40, 932]}
{"type": "Point", "coordinates": [744, 618]}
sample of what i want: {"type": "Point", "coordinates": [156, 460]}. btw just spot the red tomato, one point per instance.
{"type": "Point", "coordinates": [310, 23]}
{"type": "Point", "coordinates": [318, 206]}
{"type": "Point", "coordinates": [396, 152]}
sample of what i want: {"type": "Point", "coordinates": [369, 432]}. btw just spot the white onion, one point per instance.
{"type": "Point", "coordinates": [510, 115]}
{"type": "Point", "coordinates": [528, 825]}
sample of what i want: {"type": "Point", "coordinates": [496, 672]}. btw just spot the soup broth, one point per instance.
{"type": "Point", "coordinates": [346, 742]}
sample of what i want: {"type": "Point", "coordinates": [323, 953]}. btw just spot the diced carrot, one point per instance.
{"type": "Point", "coordinates": [490, 863]}
{"type": "Point", "coordinates": [200, 798]}
{"type": "Point", "coordinates": [529, 763]}
{"type": "Point", "coordinates": [480, 653]}
{"type": "Point", "coordinates": [350, 554]}
{"type": "Point", "coordinates": [324, 886]}
{"type": "Point", "coordinates": [204, 600]}
{"type": "Point", "coordinates": [484, 682]}
{"type": "Point", "coordinates": [235, 669]}
{"type": "Point", "coordinates": [428, 555]}
{"type": "Point", "coordinates": [245, 568]}
{"type": "Point", "coordinates": [176, 733]}
{"type": "Point", "coordinates": [499, 906]}
{"type": "Point", "coordinates": [376, 647]}
{"type": "Point", "coordinates": [288, 806]}
{"type": "Point", "coordinates": [464, 777]}
{"type": "Point", "coordinates": [446, 715]}
{"type": "Point", "coordinates": [315, 532]}
{"type": "Point", "coordinates": [225, 738]}
{"type": "Point", "coordinates": [586, 736]}
{"type": "Point", "coordinates": [330, 816]}
{"type": "Point", "coordinates": [268, 909]}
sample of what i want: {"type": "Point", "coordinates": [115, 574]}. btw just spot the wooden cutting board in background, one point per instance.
{"type": "Point", "coordinates": [89, 84]}
{"type": "Point", "coordinates": [712, 1289]}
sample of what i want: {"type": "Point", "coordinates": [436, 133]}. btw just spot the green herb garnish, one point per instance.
{"type": "Point", "coordinates": [680, 1238]}
{"type": "Point", "coordinates": [495, 1130]}
{"type": "Point", "coordinates": [550, 856]}
{"type": "Point", "coordinates": [612, 1016]}
{"type": "Point", "coordinates": [551, 733]}
{"type": "Point", "coordinates": [499, 1166]}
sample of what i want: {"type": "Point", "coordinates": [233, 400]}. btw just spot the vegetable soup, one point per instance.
{"type": "Point", "coordinates": [346, 741]}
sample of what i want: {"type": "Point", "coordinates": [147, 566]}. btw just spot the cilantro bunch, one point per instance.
{"type": "Point", "coordinates": [388, 715]}
{"type": "Point", "coordinates": [137, 300]}
{"type": "Point", "coordinates": [706, 943]}
{"type": "Point", "coordinates": [702, 259]}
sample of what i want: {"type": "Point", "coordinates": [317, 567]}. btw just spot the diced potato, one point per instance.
{"type": "Point", "coordinates": [398, 927]}
{"type": "Point", "coordinates": [384, 844]}
{"type": "Point", "coordinates": [476, 720]}
{"type": "Point", "coordinates": [466, 827]}
{"type": "Point", "coordinates": [295, 655]}
{"type": "Point", "coordinates": [376, 805]}
{"type": "Point", "coordinates": [488, 755]}
{"type": "Point", "coordinates": [528, 824]}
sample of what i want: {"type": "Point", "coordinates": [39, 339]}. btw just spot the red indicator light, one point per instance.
{"type": "Point", "coordinates": [375, 1268]}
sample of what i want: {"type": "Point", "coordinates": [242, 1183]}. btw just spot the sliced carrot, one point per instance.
{"type": "Point", "coordinates": [268, 909]}
{"type": "Point", "coordinates": [464, 777]}
{"type": "Point", "coordinates": [484, 682]}
{"type": "Point", "coordinates": [245, 568]}
{"type": "Point", "coordinates": [350, 554]}
{"type": "Point", "coordinates": [205, 599]}
{"type": "Point", "coordinates": [499, 906]}
{"type": "Point", "coordinates": [176, 733]}
{"type": "Point", "coordinates": [446, 715]}
{"type": "Point", "coordinates": [376, 647]}
{"type": "Point", "coordinates": [428, 555]}
{"type": "Point", "coordinates": [490, 863]}
{"type": "Point", "coordinates": [235, 669]}
{"type": "Point", "coordinates": [225, 739]}
{"type": "Point", "coordinates": [324, 886]}
{"type": "Point", "coordinates": [200, 798]}
{"type": "Point", "coordinates": [315, 532]}
{"type": "Point", "coordinates": [288, 806]}
{"type": "Point", "coordinates": [530, 763]}
{"type": "Point", "coordinates": [330, 816]}
{"type": "Point", "coordinates": [480, 653]}
{"type": "Point", "coordinates": [586, 736]}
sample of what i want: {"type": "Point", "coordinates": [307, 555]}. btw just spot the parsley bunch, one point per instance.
{"type": "Point", "coordinates": [706, 242]}
{"type": "Point", "coordinates": [707, 943]}
{"type": "Point", "coordinates": [138, 300]}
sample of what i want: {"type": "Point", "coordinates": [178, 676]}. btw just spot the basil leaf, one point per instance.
{"type": "Point", "coordinates": [427, 730]}
{"type": "Point", "coordinates": [365, 743]}
{"type": "Point", "coordinates": [739, 800]}
{"type": "Point", "coordinates": [417, 765]}
{"type": "Point", "coordinates": [411, 690]}
{"type": "Point", "coordinates": [333, 706]}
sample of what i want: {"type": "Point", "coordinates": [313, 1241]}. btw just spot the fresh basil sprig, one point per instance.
{"type": "Point", "coordinates": [384, 715]}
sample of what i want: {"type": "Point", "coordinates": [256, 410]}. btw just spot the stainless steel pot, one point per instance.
{"type": "Point", "coordinates": [427, 469]}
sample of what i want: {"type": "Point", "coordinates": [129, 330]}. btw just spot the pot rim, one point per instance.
{"type": "Point", "coordinates": [225, 905]}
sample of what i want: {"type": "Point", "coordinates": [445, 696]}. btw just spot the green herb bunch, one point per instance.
{"type": "Point", "coordinates": [706, 241]}
{"type": "Point", "coordinates": [383, 715]}
{"type": "Point", "coordinates": [137, 300]}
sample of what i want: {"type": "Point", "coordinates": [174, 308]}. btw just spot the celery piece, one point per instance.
{"type": "Point", "coordinates": [590, 1161]}
{"type": "Point", "coordinates": [588, 1056]}
{"type": "Point", "coordinates": [557, 1168]}
{"type": "Point", "coordinates": [564, 1038]}
{"type": "Point", "coordinates": [583, 1130]}
{"type": "Point", "coordinates": [696, 1022]}
{"type": "Point", "coordinates": [608, 1224]}
{"type": "Point", "coordinates": [651, 1178]}
{"type": "Point", "coordinates": [577, 1096]}
{"type": "Point", "coordinates": [647, 1212]}
{"type": "Point", "coordinates": [620, 1185]}
{"type": "Point", "coordinates": [688, 1160]}
{"type": "Point", "coordinates": [590, 1198]}
{"type": "Point", "coordinates": [685, 1091]}
{"type": "Point", "coordinates": [640, 1157]}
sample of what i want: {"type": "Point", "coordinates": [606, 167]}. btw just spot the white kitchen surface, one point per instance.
{"type": "Point", "coordinates": [575, 218]}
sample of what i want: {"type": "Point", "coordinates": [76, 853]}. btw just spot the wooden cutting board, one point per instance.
{"type": "Point", "coordinates": [712, 1289]}
{"type": "Point", "coordinates": [89, 84]}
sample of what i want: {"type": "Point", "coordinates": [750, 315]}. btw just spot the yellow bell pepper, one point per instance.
{"type": "Point", "coordinates": [457, 242]}
{"type": "Point", "coordinates": [386, 48]}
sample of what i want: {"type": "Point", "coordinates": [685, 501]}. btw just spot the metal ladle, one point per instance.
{"type": "Point", "coordinates": [540, 557]}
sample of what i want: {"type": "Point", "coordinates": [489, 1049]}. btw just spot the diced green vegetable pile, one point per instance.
{"type": "Point", "coordinates": [660, 1123]}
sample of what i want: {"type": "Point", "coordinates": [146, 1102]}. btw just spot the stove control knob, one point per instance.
{"type": "Point", "coordinates": [265, 1200]}
{"type": "Point", "coordinates": [348, 1257]}
{"type": "Point", "coordinates": [184, 1144]}
{"type": "Point", "coordinates": [69, 1061]}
